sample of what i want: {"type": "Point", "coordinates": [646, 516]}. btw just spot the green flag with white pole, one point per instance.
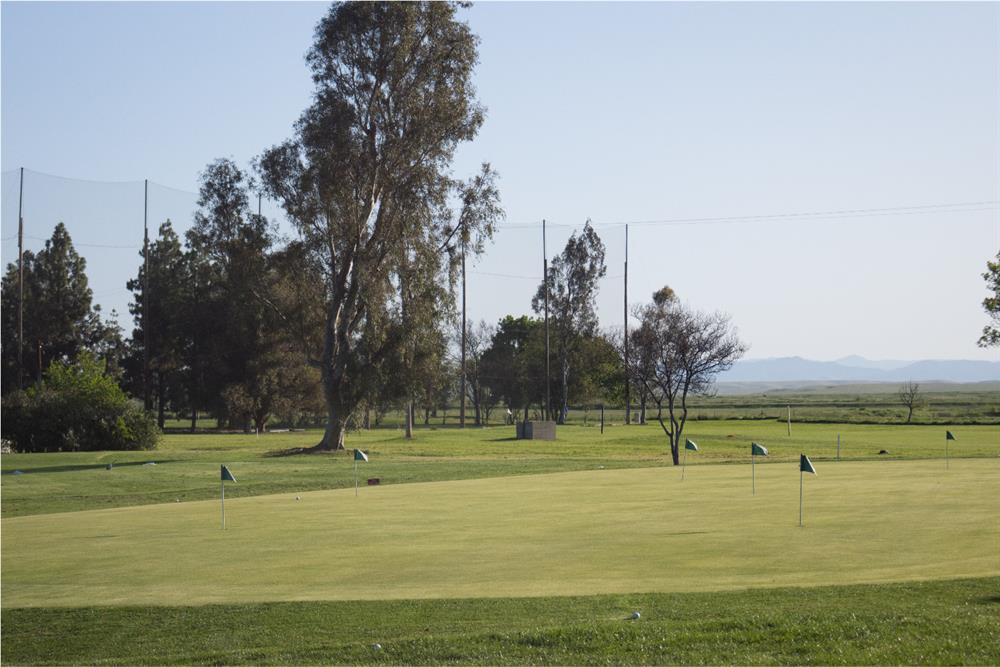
{"type": "Point", "coordinates": [225, 476]}
{"type": "Point", "coordinates": [805, 466]}
{"type": "Point", "coordinates": [755, 451]}
{"type": "Point", "coordinates": [358, 456]}
{"type": "Point", "coordinates": [688, 445]}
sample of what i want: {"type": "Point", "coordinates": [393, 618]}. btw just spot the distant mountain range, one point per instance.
{"type": "Point", "coordinates": [859, 369]}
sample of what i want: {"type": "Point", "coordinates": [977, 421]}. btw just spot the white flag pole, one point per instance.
{"type": "Point", "coordinates": [685, 463]}
{"type": "Point", "coordinates": [223, 483]}
{"type": "Point", "coordinates": [355, 475]}
{"type": "Point", "coordinates": [800, 494]}
{"type": "Point", "coordinates": [753, 472]}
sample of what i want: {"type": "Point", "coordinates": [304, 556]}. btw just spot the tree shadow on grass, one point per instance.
{"type": "Point", "coordinates": [88, 466]}
{"type": "Point", "coordinates": [297, 451]}
{"type": "Point", "coordinates": [989, 599]}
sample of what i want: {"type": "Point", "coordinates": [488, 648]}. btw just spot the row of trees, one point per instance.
{"type": "Point", "coordinates": [349, 317]}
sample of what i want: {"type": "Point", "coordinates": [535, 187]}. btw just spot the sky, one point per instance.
{"type": "Point", "coordinates": [709, 127]}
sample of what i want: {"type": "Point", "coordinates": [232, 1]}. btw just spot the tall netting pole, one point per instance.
{"type": "Point", "coordinates": [20, 284]}
{"type": "Point", "coordinates": [628, 401]}
{"type": "Point", "coordinates": [146, 401]}
{"type": "Point", "coordinates": [545, 289]}
{"type": "Point", "coordinates": [461, 408]}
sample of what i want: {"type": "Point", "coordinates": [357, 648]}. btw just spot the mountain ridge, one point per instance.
{"type": "Point", "coordinates": [859, 369]}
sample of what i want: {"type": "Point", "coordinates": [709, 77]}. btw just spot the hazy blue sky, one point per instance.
{"type": "Point", "coordinates": [617, 112]}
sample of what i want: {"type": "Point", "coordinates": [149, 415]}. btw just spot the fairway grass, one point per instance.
{"type": "Point", "coordinates": [188, 465]}
{"type": "Point", "coordinates": [580, 533]}
{"type": "Point", "coordinates": [929, 623]}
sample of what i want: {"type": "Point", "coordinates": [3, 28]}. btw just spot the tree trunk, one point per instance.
{"type": "Point", "coordinates": [909, 415]}
{"type": "Point", "coordinates": [565, 391]}
{"type": "Point", "coordinates": [160, 391]}
{"type": "Point", "coordinates": [642, 409]}
{"type": "Point", "coordinates": [194, 419]}
{"type": "Point", "coordinates": [368, 417]}
{"type": "Point", "coordinates": [336, 423]}
{"type": "Point", "coordinates": [333, 436]}
{"type": "Point", "coordinates": [674, 449]}
{"type": "Point", "coordinates": [409, 420]}
{"type": "Point", "coordinates": [260, 422]}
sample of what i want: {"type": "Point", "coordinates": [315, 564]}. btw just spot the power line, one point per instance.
{"type": "Point", "coordinates": [957, 207]}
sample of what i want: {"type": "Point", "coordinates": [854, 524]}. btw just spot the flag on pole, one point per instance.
{"type": "Point", "coordinates": [755, 451]}
{"type": "Point", "coordinates": [358, 456]}
{"type": "Point", "coordinates": [805, 466]}
{"type": "Point", "coordinates": [948, 435]}
{"type": "Point", "coordinates": [225, 476]}
{"type": "Point", "coordinates": [688, 445]}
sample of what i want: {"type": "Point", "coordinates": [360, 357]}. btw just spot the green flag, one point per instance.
{"type": "Point", "coordinates": [689, 444]}
{"type": "Point", "coordinates": [805, 465]}
{"type": "Point", "coordinates": [360, 455]}
{"type": "Point", "coordinates": [948, 435]}
{"type": "Point", "coordinates": [226, 475]}
{"type": "Point", "coordinates": [758, 450]}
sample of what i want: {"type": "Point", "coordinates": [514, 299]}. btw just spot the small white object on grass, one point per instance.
{"type": "Point", "coordinates": [635, 615]}
{"type": "Point", "coordinates": [377, 647]}
{"type": "Point", "coordinates": [297, 498]}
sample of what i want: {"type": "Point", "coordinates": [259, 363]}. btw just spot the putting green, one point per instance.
{"type": "Point", "coordinates": [599, 531]}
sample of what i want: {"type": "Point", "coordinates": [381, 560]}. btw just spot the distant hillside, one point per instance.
{"type": "Point", "coordinates": [858, 369]}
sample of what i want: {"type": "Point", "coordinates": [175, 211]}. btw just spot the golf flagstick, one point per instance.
{"type": "Point", "coordinates": [800, 496]}
{"type": "Point", "coordinates": [358, 456]}
{"type": "Point", "coordinates": [225, 475]}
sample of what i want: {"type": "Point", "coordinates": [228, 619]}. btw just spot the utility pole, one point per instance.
{"type": "Point", "coordinates": [545, 283]}
{"type": "Point", "coordinates": [20, 285]}
{"type": "Point", "coordinates": [628, 401]}
{"type": "Point", "coordinates": [461, 409]}
{"type": "Point", "coordinates": [145, 297]}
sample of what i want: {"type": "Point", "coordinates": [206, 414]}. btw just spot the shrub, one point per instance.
{"type": "Point", "coordinates": [77, 407]}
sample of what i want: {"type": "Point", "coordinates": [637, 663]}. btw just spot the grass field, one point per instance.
{"type": "Point", "coordinates": [593, 532]}
{"type": "Point", "coordinates": [479, 548]}
{"type": "Point", "coordinates": [927, 623]}
{"type": "Point", "coordinates": [187, 465]}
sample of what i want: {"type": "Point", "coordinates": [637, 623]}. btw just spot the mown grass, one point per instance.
{"type": "Point", "coordinates": [928, 623]}
{"type": "Point", "coordinates": [187, 464]}
{"type": "Point", "coordinates": [575, 533]}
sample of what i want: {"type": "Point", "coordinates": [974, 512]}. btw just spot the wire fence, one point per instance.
{"type": "Point", "coordinates": [105, 221]}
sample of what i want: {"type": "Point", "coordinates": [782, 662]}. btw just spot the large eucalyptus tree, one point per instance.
{"type": "Point", "coordinates": [366, 180]}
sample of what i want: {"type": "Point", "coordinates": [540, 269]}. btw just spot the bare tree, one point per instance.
{"type": "Point", "coordinates": [909, 395]}
{"type": "Point", "coordinates": [677, 352]}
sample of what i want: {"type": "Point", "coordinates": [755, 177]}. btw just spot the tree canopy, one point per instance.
{"type": "Point", "coordinates": [366, 182]}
